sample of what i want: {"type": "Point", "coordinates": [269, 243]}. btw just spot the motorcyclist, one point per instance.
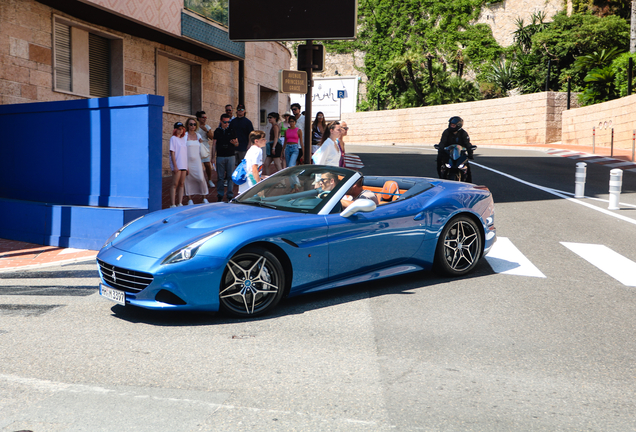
{"type": "Point", "coordinates": [454, 134]}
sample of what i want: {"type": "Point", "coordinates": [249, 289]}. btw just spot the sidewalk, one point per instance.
{"type": "Point", "coordinates": [16, 255]}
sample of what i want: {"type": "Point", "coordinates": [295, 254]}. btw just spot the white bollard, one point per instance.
{"type": "Point", "coordinates": [579, 180]}
{"type": "Point", "coordinates": [615, 186]}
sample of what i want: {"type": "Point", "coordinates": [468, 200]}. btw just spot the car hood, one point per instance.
{"type": "Point", "coordinates": [189, 224]}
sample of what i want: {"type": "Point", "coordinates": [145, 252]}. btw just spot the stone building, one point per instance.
{"type": "Point", "coordinates": [52, 50]}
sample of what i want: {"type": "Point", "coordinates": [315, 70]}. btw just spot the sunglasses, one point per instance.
{"type": "Point", "coordinates": [345, 128]}
{"type": "Point", "coordinates": [226, 121]}
{"type": "Point", "coordinates": [192, 124]}
{"type": "Point", "coordinates": [241, 109]}
{"type": "Point", "coordinates": [323, 180]}
{"type": "Point", "coordinates": [228, 110]}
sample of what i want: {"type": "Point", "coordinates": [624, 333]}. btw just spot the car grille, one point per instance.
{"type": "Point", "coordinates": [123, 279]}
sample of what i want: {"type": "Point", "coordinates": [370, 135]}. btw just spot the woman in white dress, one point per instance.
{"type": "Point", "coordinates": [195, 183]}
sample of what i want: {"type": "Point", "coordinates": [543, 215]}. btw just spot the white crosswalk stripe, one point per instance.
{"type": "Point", "coordinates": [505, 258]}
{"type": "Point", "coordinates": [605, 259]}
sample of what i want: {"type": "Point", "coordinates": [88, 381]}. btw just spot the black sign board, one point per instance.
{"type": "Point", "coordinates": [260, 20]}
{"type": "Point", "coordinates": [317, 55]}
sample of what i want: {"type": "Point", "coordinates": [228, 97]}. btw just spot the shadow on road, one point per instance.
{"type": "Point", "coordinates": [398, 285]}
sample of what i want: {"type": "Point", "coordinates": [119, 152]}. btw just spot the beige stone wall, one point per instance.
{"type": "Point", "coordinates": [501, 17]}
{"type": "Point", "coordinates": [619, 114]}
{"type": "Point", "coordinates": [26, 66]}
{"type": "Point", "coordinates": [518, 120]}
{"type": "Point", "coordinates": [263, 62]}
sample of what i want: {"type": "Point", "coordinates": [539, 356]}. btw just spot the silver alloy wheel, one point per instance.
{"type": "Point", "coordinates": [461, 245]}
{"type": "Point", "coordinates": [252, 283]}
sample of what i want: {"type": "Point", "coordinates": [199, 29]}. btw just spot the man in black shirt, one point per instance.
{"type": "Point", "coordinates": [242, 126]}
{"type": "Point", "coordinates": [225, 142]}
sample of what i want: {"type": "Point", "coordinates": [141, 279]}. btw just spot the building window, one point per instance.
{"type": "Point", "coordinates": [62, 57]}
{"type": "Point", "coordinates": [179, 86]}
{"type": "Point", "coordinates": [98, 65]}
{"type": "Point", "coordinates": [179, 82]}
{"type": "Point", "coordinates": [86, 62]}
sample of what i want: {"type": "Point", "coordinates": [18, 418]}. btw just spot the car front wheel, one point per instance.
{"type": "Point", "coordinates": [459, 247]}
{"type": "Point", "coordinates": [252, 284]}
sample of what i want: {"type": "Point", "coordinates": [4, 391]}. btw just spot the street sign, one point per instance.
{"type": "Point", "coordinates": [293, 82]}
{"type": "Point", "coordinates": [342, 94]}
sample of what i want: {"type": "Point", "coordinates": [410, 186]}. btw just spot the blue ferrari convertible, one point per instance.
{"type": "Point", "coordinates": [295, 232]}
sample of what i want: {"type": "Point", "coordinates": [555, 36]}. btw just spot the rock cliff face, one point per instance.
{"type": "Point", "coordinates": [501, 16]}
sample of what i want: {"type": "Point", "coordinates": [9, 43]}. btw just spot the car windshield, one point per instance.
{"type": "Point", "coordinates": [302, 188]}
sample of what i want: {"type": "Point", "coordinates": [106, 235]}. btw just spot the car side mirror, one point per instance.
{"type": "Point", "coordinates": [359, 205]}
{"type": "Point", "coordinates": [436, 146]}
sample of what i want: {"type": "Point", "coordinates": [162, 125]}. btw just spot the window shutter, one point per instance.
{"type": "Point", "coordinates": [179, 87]}
{"type": "Point", "coordinates": [99, 65]}
{"type": "Point", "coordinates": [62, 57]}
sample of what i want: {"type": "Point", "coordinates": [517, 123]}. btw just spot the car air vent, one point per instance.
{"type": "Point", "coordinates": [123, 279]}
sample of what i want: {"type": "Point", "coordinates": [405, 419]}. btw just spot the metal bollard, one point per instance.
{"type": "Point", "coordinates": [594, 140]}
{"type": "Point", "coordinates": [579, 180]}
{"type": "Point", "coordinates": [615, 186]}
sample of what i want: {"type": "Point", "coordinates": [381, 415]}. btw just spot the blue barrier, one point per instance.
{"type": "Point", "coordinates": [85, 168]}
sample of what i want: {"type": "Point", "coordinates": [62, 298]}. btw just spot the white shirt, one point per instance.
{"type": "Point", "coordinates": [254, 156]}
{"type": "Point", "coordinates": [328, 154]}
{"type": "Point", "coordinates": [300, 124]}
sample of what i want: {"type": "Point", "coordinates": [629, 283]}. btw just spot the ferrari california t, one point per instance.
{"type": "Point", "coordinates": [291, 234]}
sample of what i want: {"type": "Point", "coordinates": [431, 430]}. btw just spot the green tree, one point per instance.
{"type": "Point", "coordinates": [397, 39]}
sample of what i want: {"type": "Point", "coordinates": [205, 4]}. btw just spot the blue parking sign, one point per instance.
{"type": "Point", "coordinates": [341, 94]}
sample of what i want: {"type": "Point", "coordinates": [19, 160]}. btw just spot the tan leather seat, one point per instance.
{"type": "Point", "coordinates": [390, 191]}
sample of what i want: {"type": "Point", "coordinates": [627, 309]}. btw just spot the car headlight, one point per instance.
{"type": "Point", "coordinates": [119, 231]}
{"type": "Point", "coordinates": [189, 251]}
{"type": "Point", "coordinates": [448, 165]}
{"type": "Point", "coordinates": [461, 166]}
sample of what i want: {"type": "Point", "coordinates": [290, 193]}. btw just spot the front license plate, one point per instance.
{"type": "Point", "coordinates": [112, 294]}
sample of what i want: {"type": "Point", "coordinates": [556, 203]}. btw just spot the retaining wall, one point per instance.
{"type": "Point", "coordinates": [619, 114]}
{"type": "Point", "coordinates": [517, 120]}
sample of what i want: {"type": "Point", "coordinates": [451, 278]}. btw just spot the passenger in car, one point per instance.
{"type": "Point", "coordinates": [356, 192]}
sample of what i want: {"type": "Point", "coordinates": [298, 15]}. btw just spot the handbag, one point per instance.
{"type": "Point", "coordinates": [204, 152]}
{"type": "Point", "coordinates": [239, 176]}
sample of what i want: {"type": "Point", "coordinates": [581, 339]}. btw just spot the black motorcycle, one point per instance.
{"type": "Point", "coordinates": [456, 166]}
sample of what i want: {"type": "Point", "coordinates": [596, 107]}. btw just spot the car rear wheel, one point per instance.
{"type": "Point", "coordinates": [252, 284]}
{"type": "Point", "coordinates": [459, 247]}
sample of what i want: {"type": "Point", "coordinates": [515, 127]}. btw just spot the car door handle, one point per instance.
{"type": "Point", "coordinates": [420, 216]}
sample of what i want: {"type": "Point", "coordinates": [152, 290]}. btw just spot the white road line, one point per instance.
{"type": "Point", "coordinates": [505, 258]}
{"type": "Point", "coordinates": [551, 191]}
{"type": "Point", "coordinates": [605, 259]}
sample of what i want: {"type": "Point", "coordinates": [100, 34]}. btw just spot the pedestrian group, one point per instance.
{"type": "Point", "coordinates": [197, 150]}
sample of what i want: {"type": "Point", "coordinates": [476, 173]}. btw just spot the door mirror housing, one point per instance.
{"type": "Point", "coordinates": [359, 205]}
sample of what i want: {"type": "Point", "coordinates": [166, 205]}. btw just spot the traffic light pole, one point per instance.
{"type": "Point", "coordinates": [308, 99]}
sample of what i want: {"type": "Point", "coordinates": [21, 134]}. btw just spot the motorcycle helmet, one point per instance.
{"type": "Point", "coordinates": [457, 121]}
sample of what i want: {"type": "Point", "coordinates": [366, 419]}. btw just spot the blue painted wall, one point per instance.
{"type": "Point", "coordinates": [72, 172]}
